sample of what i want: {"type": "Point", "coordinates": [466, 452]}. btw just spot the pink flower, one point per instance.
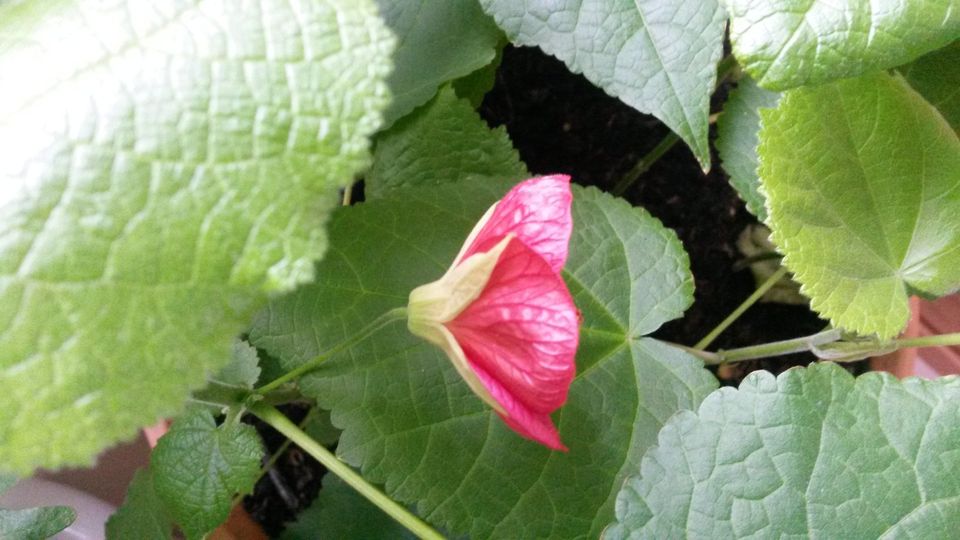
{"type": "Point", "coordinates": [503, 314]}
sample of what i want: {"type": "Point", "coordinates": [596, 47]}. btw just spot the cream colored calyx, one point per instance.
{"type": "Point", "coordinates": [439, 302]}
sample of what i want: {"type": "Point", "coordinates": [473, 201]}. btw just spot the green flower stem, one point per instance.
{"type": "Point", "coordinates": [393, 315]}
{"type": "Point", "coordinates": [752, 299]}
{"type": "Point", "coordinates": [403, 516]}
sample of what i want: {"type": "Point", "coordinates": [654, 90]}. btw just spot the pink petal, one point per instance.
{"type": "Point", "coordinates": [532, 425]}
{"type": "Point", "coordinates": [521, 337]}
{"type": "Point", "coordinates": [537, 211]}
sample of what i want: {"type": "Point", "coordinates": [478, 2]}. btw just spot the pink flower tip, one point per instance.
{"type": "Point", "coordinates": [502, 312]}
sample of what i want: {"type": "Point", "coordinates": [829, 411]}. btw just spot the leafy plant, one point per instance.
{"type": "Point", "coordinates": [173, 179]}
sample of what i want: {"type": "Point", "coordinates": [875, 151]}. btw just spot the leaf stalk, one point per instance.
{"type": "Point", "coordinates": [281, 423]}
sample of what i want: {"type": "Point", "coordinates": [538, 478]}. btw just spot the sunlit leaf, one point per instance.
{"type": "Point", "coordinates": [166, 166]}
{"type": "Point", "coordinates": [863, 187]}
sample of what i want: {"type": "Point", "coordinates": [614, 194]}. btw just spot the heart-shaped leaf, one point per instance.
{"type": "Point", "coordinates": [863, 187]}
{"type": "Point", "coordinates": [198, 468]}
{"type": "Point", "coordinates": [812, 453]}
{"type": "Point", "coordinates": [166, 165]}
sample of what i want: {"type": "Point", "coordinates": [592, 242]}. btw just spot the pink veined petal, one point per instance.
{"type": "Point", "coordinates": [537, 211]}
{"type": "Point", "coordinates": [532, 425]}
{"type": "Point", "coordinates": [521, 336]}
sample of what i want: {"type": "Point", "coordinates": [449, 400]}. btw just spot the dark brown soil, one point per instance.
{"type": "Point", "coordinates": [560, 122]}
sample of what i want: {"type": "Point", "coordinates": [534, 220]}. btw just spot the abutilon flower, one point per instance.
{"type": "Point", "coordinates": [503, 314]}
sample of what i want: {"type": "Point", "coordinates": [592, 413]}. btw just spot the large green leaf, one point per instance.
{"type": "Point", "coordinates": [863, 187]}
{"type": "Point", "coordinates": [339, 512]}
{"type": "Point", "coordinates": [813, 453]}
{"type": "Point", "coordinates": [166, 165]}
{"type": "Point", "coordinates": [789, 43]}
{"type": "Point", "coordinates": [445, 141]}
{"type": "Point", "coordinates": [439, 41]}
{"type": "Point", "coordinates": [143, 515]}
{"type": "Point", "coordinates": [413, 424]}
{"type": "Point", "coordinates": [198, 468]}
{"type": "Point", "coordinates": [658, 57]}
{"type": "Point", "coordinates": [937, 77]}
{"type": "Point", "coordinates": [737, 137]}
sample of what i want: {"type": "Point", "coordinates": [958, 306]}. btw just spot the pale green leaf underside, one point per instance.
{"type": "Point", "coordinates": [658, 57]}
{"type": "Point", "coordinates": [169, 165]}
{"type": "Point", "coordinates": [415, 426]}
{"type": "Point", "coordinates": [813, 453]}
{"type": "Point", "coordinates": [198, 468]}
{"type": "Point", "coordinates": [737, 137]}
{"type": "Point", "coordinates": [142, 515]}
{"type": "Point", "coordinates": [340, 512]}
{"type": "Point", "coordinates": [937, 77]}
{"type": "Point", "coordinates": [439, 41]}
{"type": "Point", "coordinates": [243, 370]}
{"type": "Point", "coordinates": [789, 43]}
{"type": "Point", "coordinates": [444, 141]}
{"type": "Point", "coordinates": [863, 187]}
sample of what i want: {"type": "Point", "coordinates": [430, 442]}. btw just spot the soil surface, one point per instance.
{"type": "Point", "coordinates": [561, 123]}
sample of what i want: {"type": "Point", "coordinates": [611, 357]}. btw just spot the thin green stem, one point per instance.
{"type": "Point", "coordinates": [939, 340]}
{"type": "Point", "coordinates": [644, 164]}
{"type": "Point", "coordinates": [752, 299]}
{"type": "Point", "coordinates": [393, 315]}
{"type": "Point", "coordinates": [403, 516]}
{"type": "Point", "coordinates": [778, 348]}
{"type": "Point", "coordinates": [826, 345]}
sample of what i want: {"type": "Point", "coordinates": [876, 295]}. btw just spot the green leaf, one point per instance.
{"type": "Point", "coordinates": [812, 453]}
{"type": "Point", "coordinates": [35, 523]}
{"type": "Point", "coordinates": [142, 515]}
{"type": "Point", "coordinates": [243, 369]}
{"type": "Point", "coordinates": [658, 57]}
{"type": "Point", "coordinates": [439, 40]}
{"type": "Point", "coordinates": [414, 425]}
{"type": "Point", "coordinates": [474, 87]}
{"type": "Point", "coordinates": [737, 132]}
{"type": "Point", "coordinates": [199, 467]}
{"type": "Point", "coordinates": [862, 180]}
{"type": "Point", "coordinates": [340, 512]}
{"type": "Point", "coordinates": [320, 428]}
{"type": "Point", "coordinates": [169, 166]}
{"type": "Point", "coordinates": [937, 77]}
{"type": "Point", "coordinates": [445, 141]}
{"type": "Point", "coordinates": [789, 43]}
